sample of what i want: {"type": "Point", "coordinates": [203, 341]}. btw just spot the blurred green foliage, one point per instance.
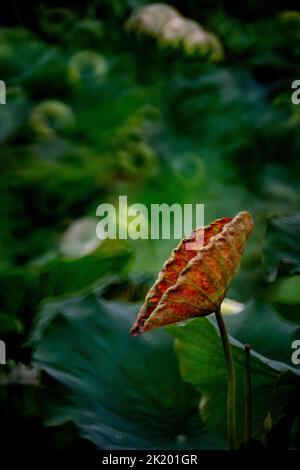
{"type": "Point", "coordinates": [96, 109]}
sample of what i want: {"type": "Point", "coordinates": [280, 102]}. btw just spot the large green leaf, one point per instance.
{"type": "Point", "coordinates": [268, 333]}
{"type": "Point", "coordinates": [284, 294]}
{"type": "Point", "coordinates": [282, 249]}
{"type": "Point", "coordinates": [64, 276]}
{"type": "Point", "coordinates": [275, 386]}
{"type": "Point", "coordinates": [22, 290]}
{"type": "Point", "coordinates": [122, 392]}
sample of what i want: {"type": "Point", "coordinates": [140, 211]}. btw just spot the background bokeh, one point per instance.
{"type": "Point", "coordinates": [187, 106]}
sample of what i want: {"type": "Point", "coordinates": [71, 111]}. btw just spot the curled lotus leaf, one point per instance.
{"type": "Point", "coordinates": [194, 282]}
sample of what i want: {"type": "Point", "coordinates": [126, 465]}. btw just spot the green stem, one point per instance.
{"type": "Point", "coordinates": [247, 396]}
{"type": "Point", "coordinates": [231, 383]}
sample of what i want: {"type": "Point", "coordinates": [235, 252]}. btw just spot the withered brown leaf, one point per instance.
{"type": "Point", "coordinates": [193, 283]}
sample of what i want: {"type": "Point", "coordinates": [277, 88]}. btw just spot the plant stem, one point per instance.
{"type": "Point", "coordinates": [231, 383]}
{"type": "Point", "coordinates": [247, 396]}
